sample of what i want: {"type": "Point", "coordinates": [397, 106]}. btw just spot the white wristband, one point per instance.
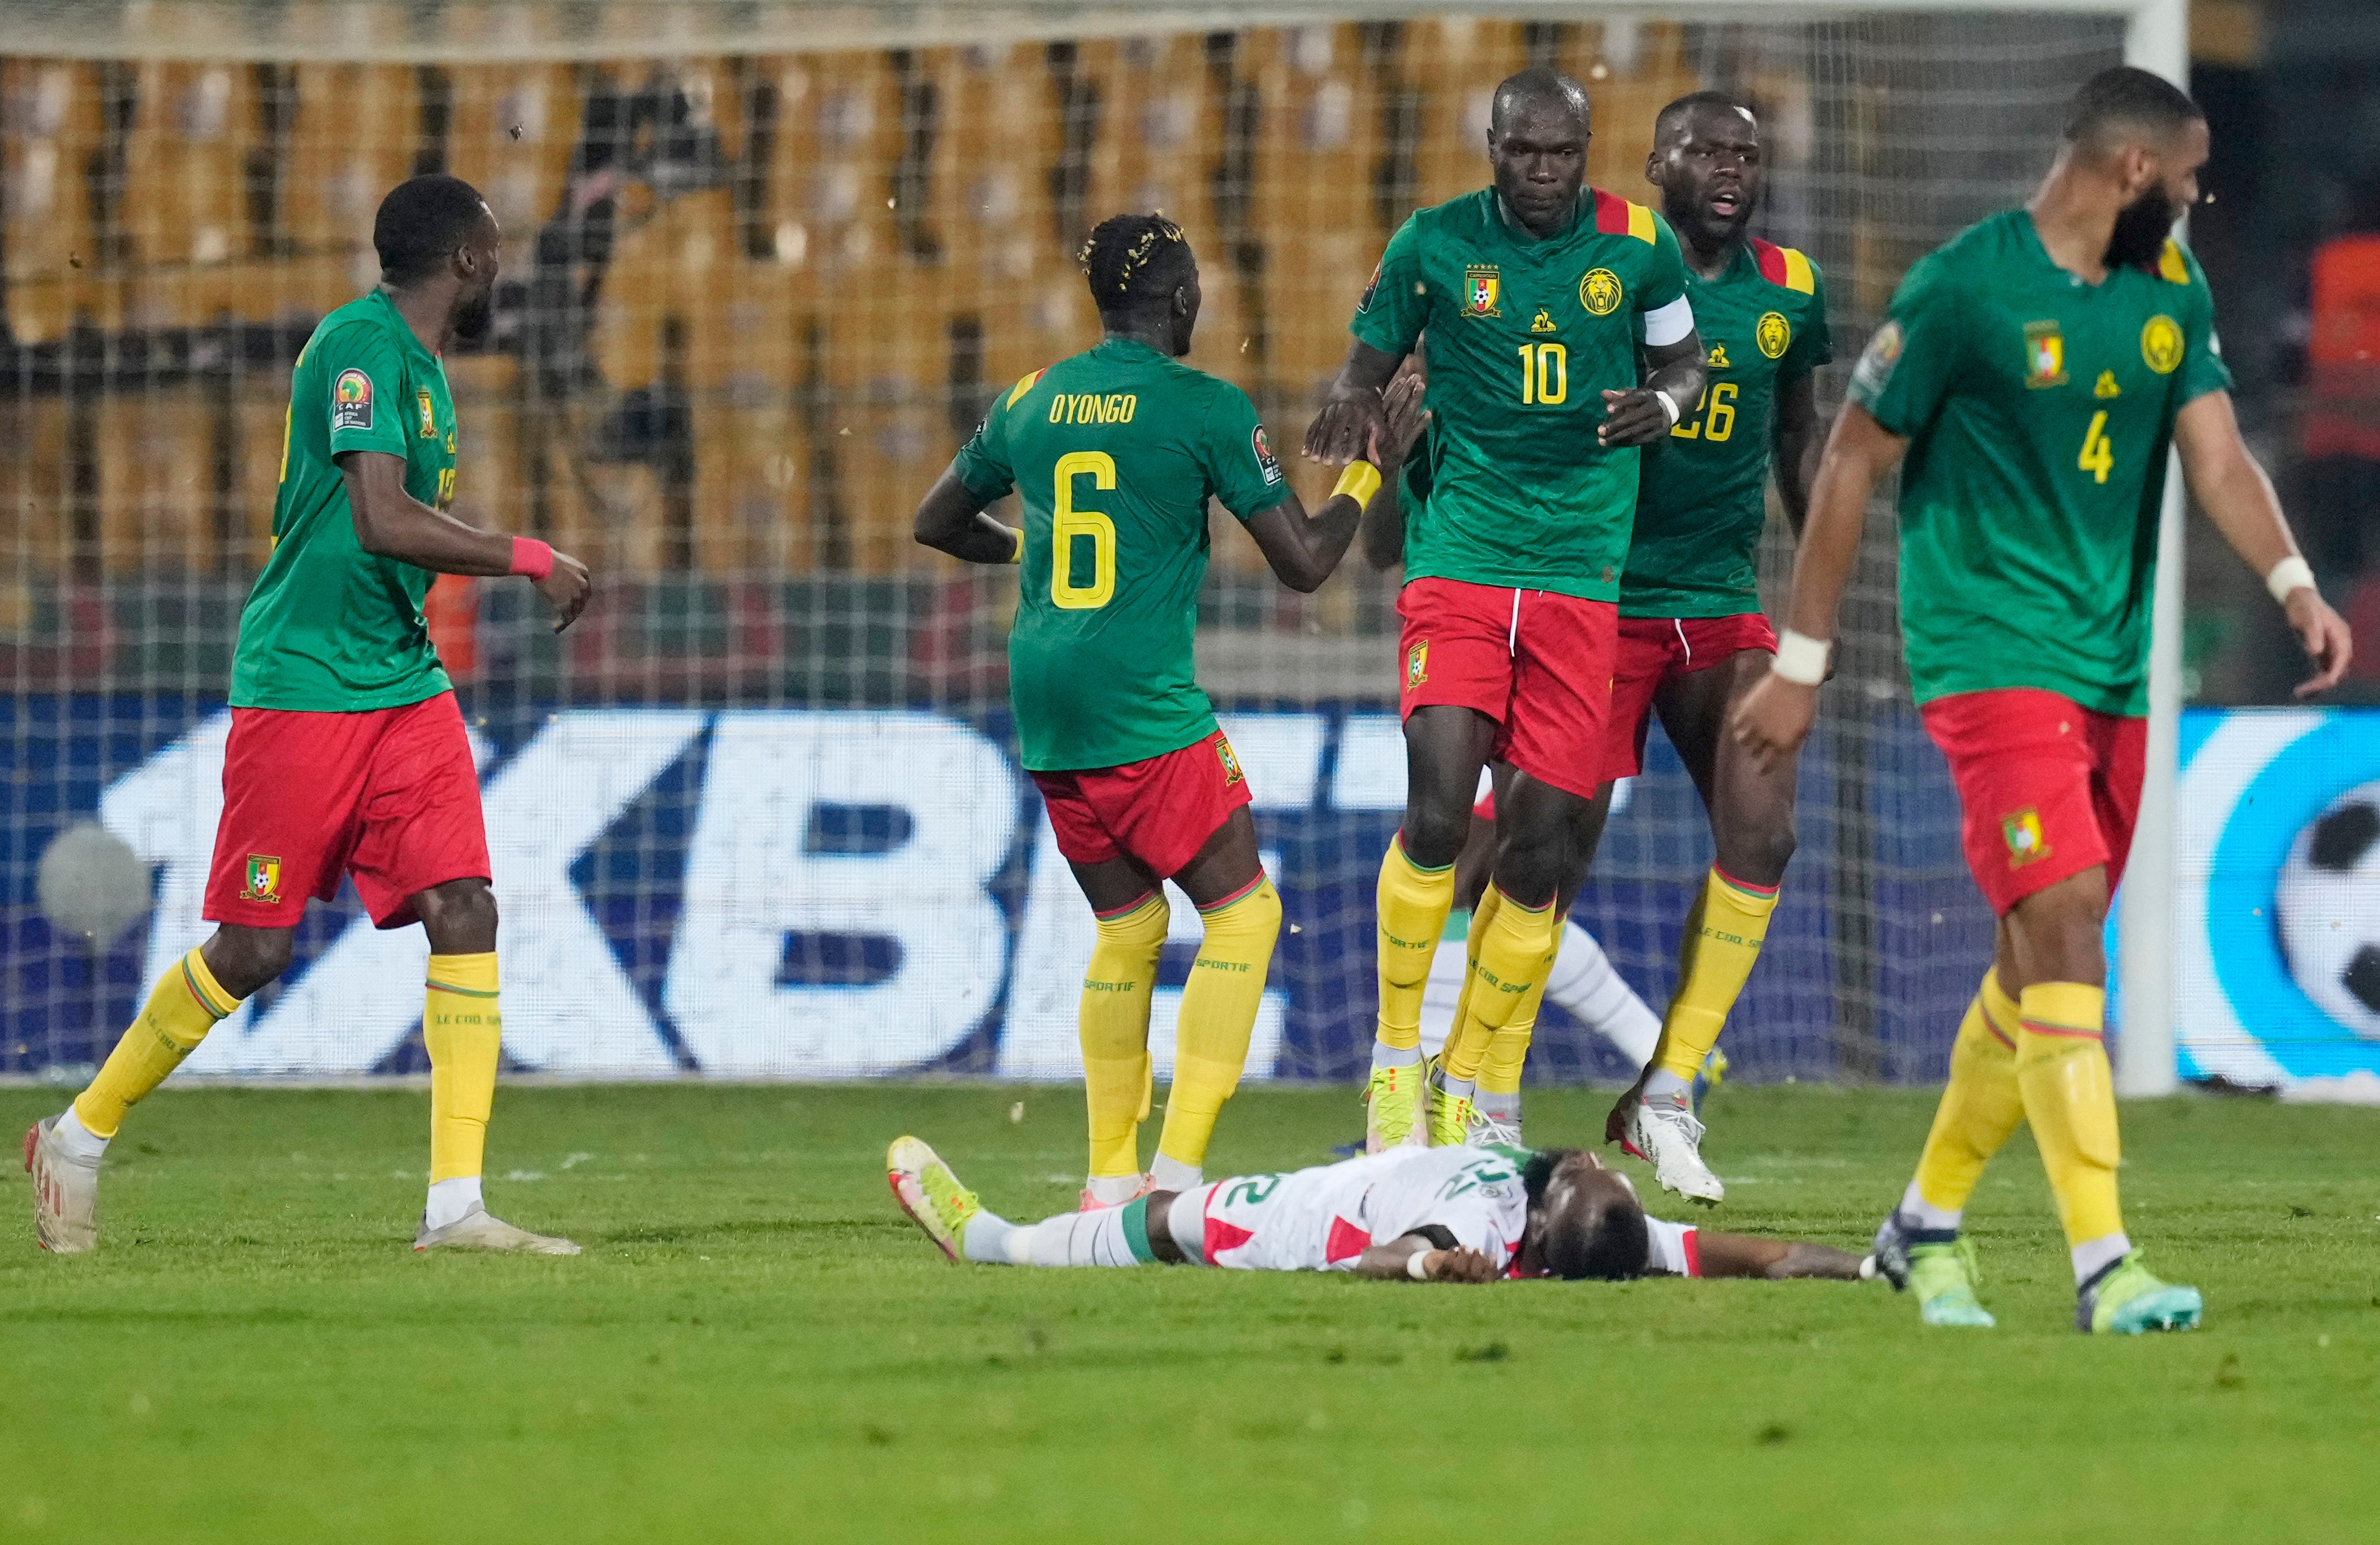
{"type": "Point", "coordinates": [1800, 659]}
{"type": "Point", "coordinates": [1669, 404]}
{"type": "Point", "coordinates": [1417, 1266]}
{"type": "Point", "coordinates": [2288, 575]}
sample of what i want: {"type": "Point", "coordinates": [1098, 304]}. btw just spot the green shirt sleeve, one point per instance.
{"type": "Point", "coordinates": [2202, 370]}
{"type": "Point", "coordinates": [1394, 309]}
{"type": "Point", "coordinates": [1241, 466]}
{"type": "Point", "coordinates": [1665, 270]}
{"type": "Point", "coordinates": [1910, 363]}
{"type": "Point", "coordinates": [366, 394]}
{"type": "Point", "coordinates": [1812, 345]}
{"type": "Point", "coordinates": [983, 462]}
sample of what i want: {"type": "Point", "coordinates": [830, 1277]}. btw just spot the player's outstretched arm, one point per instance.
{"type": "Point", "coordinates": [1673, 381]}
{"type": "Point", "coordinates": [1303, 549]}
{"type": "Point", "coordinates": [1414, 1257]}
{"type": "Point", "coordinates": [1743, 1255]}
{"type": "Point", "coordinates": [2222, 472]}
{"type": "Point", "coordinates": [952, 520]}
{"type": "Point", "coordinates": [1799, 441]}
{"type": "Point", "coordinates": [1352, 410]}
{"type": "Point", "coordinates": [390, 523]}
{"type": "Point", "coordinates": [1774, 717]}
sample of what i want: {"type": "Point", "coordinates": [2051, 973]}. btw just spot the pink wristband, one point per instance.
{"type": "Point", "coordinates": [532, 558]}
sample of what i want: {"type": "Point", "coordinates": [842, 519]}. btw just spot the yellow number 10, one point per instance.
{"type": "Point", "coordinates": [1068, 523]}
{"type": "Point", "coordinates": [2098, 455]}
{"type": "Point", "coordinates": [1545, 374]}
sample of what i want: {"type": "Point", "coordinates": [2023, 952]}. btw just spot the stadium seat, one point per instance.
{"type": "Point", "coordinates": [157, 480]}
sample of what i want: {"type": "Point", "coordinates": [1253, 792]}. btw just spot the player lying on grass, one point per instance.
{"type": "Point", "coordinates": [1560, 343]}
{"type": "Point", "coordinates": [2034, 370]}
{"type": "Point", "coordinates": [1115, 454]}
{"type": "Point", "coordinates": [348, 755]}
{"type": "Point", "coordinates": [1437, 1214]}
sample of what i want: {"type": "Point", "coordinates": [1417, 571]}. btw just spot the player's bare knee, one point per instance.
{"type": "Point", "coordinates": [244, 960]}
{"type": "Point", "coordinates": [459, 917]}
{"type": "Point", "coordinates": [1758, 852]}
{"type": "Point", "coordinates": [1435, 830]}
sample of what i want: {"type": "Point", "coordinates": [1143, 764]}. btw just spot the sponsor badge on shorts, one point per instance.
{"type": "Point", "coordinates": [2022, 834]}
{"type": "Point", "coordinates": [1418, 665]}
{"type": "Point", "coordinates": [351, 402]}
{"type": "Point", "coordinates": [1267, 463]}
{"type": "Point", "coordinates": [2045, 355]}
{"type": "Point", "coordinates": [1224, 753]}
{"type": "Point", "coordinates": [263, 880]}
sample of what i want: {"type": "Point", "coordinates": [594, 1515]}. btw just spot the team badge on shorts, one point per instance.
{"type": "Point", "coordinates": [1599, 292]}
{"type": "Point", "coordinates": [1224, 753]}
{"type": "Point", "coordinates": [1773, 334]}
{"type": "Point", "coordinates": [1418, 665]}
{"type": "Point", "coordinates": [351, 401]}
{"type": "Point", "coordinates": [2045, 355]}
{"type": "Point", "coordinates": [263, 880]}
{"type": "Point", "coordinates": [1483, 285]}
{"type": "Point", "coordinates": [2161, 344]}
{"type": "Point", "coordinates": [2022, 834]}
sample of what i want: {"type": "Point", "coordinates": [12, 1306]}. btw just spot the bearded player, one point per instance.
{"type": "Point", "coordinates": [1437, 1214]}
{"type": "Point", "coordinates": [2034, 371]}
{"type": "Point", "coordinates": [1115, 453]}
{"type": "Point", "coordinates": [348, 756]}
{"type": "Point", "coordinates": [1535, 293]}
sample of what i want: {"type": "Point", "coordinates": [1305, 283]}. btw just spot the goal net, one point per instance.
{"type": "Point", "coordinates": [759, 813]}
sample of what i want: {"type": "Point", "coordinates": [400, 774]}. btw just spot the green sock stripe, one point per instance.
{"type": "Point", "coordinates": [1398, 848]}
{"type": "Point", "coordinates": [1135, 1230]}
{"type": "Point", "coordinates": [436, 986]}
{"type": "Point", "coordinates": [206, 1000]}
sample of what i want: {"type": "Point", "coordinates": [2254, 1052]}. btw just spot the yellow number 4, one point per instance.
{"type": "Point", "coordinates": [1068, 523]}
{"type": "Point", "coordinates": [2098, 455]}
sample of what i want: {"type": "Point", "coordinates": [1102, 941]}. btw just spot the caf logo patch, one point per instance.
{"type": "Point", "coordinates": [1544, 323]}
{"type": "Point", "coordinates": [2022, 834]}
{"type": "Point", "coordinates": [1232, 773]}
{"type": "Point", "coordinates": [1371, 288]}
{"type": "Point", "coordinates": [1878, 361]}
{"type": "Point", "coordinates": [1774, 334]}
{"type": "Point", "coordinates": [351, 401]}
{"type": "Point", "coordinates": [264, 877]}
{"type": "Point", "coordinates": [428, 413]}
{"type": "Point", "coordinates": [2044, 356]}
{"type": "Point", "coordinates": [2161, 344]}
{"type": "Point", "coordinates": [1267, 463]}
{"type": "Point", "coordinates": [1418, 665]}
{"type": "Point", "coordinates": [1483, 286]}
{"type": "Point", "coordinates": [1599, 292]}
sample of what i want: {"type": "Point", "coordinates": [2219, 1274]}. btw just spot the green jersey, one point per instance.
{"type": "Point", "coordinates": [1524, 338]}
{"type": "Point", "coordinates": [329, 628]}
{"type": "Point", "coordinates": [1114, 454]}
{"type": "Point", "coordinates": [1703, 497]}
{"type": "Point", "coordinates": [2038, 409]}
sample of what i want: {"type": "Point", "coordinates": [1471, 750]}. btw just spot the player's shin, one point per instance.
{"type": "Point", "coordinates": [1413, 904]}
{"type": "Point", "coordinates": [462, 1027]}
{"type": "Point", "coordinates": [2069, 1098]}
{"type": "Point", "coordinates": [1981, 1106]}
{"type": "Point", "coordinates": [184, 1005]}
{"type": "Point", "coordinates": [1218, 1013]}
{"type": "Point", "coordinates": [1509, 969]}
{"type": "Point", "coordinates": [1722, 941]}
{"type": "Point", "coordinates": [1114, 1026]}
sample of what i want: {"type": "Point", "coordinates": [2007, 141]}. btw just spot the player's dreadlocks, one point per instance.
{"type": "Point", "coordinates": [423, 222]}
{"type": "Point", "coordinates": [1133, 261]}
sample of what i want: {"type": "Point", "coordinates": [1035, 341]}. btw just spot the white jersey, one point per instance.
{"type": "Point", "coordinates": [1323, 1219]}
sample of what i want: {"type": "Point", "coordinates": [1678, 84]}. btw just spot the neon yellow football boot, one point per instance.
{"type": "Point", "coordinates": [1392, 1106]}
{"type": "Point", "coordinates": [931, 1195]}
{"type": "Point", "coordinates": [2129, 1298]}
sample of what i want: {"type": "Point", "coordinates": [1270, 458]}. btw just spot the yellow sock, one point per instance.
{"type": "Point", "coordinates": [2069, 1098]}
{"type": "Point", "coordinates": [1723, 940]}
{"type": "Point", "coordinates": [1507, 1053]}
{"type": "Point", "coordinates": [1466, 1040]}
{"type": "Point", "coordinates": [1508, 961]}
{"type": "Point", "coordinates": [1980, 1104]}
{"type": "Point", "coordinates": [1413, 905]}
{"type": "Point", "coordinates": [183, 1006]}
{"type": "Point", "coordinates": [1218, 1011]}
{"type": "Point", "coordinates": [463, 1028]}
{"type": "Point", "coordinates": [1115, 1031]}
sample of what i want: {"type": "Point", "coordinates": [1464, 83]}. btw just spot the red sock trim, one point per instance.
{"type": "Point", "coordinates": [1126, 911]}
{"type": "Point", "coordinates": [2064, 1032]}
{"type": "Point", "coordinates": [1398, 842]}
{"type": "Point", "coordinates": [1240, 894]}
{"type": "Point", "coordinates": [2004, 1039]}
{"type": "Point", "coordinates": [1521, 905]}
{"type": "Point", "coordinates": [1765, 893]}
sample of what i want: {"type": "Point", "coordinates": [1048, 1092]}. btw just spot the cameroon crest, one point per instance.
{"type": "Point", "coordinates": [2045, 355]}
{"type": "Point", "coordinates": [1418, 665]}
{"type": "Point", "coordinates": [263, 879]}
{"type": "Point", "coordinates": [1774, 334]}
{"type": "Point", "coordinates": [1600, 292]}
{"type": "Point", "coordinates": [428, 413]}
{"type": "Point", "coordinates": [1232, 773]}
{"type": "Point", "coordinates": [1483, 286]}
{"type": "Point", "coordinates": [2022, 834]}
{"type": "Point", "coordinates": [2161, 344]}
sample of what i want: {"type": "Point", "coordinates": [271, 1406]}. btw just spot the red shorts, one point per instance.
{"type": "Point", "coordinates": [1537, 661]}
{"type": "Point", "coordinates": [1658, 650]}
{"type": "Point", "coordinates": [1159, 810]}
{"type": "Point", "coordinates": [2047, 788]}
{"type": "Point", "coordinates": [390, 796]}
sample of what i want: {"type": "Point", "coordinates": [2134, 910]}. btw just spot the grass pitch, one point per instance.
{"type": "Point", "coordinates": [757, 1346]}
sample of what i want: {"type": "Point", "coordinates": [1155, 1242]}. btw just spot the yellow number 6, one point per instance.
{"type": "Point", "coordinates": [1067, 523]}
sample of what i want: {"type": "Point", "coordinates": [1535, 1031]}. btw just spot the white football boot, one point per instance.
{"type": "Point", "coordinates": [1668, 1136]}
{"type": "Point", "coordinates": [478, 1229]}
{"type": "Point", "coordinates": [65, 1192]}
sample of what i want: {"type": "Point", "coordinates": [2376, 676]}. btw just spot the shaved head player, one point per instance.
{"type": "Point", "coordinates": [348, 755]}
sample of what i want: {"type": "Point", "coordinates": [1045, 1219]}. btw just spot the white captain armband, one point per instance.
{"type": "Point", "coordinates": [1669, 323]}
